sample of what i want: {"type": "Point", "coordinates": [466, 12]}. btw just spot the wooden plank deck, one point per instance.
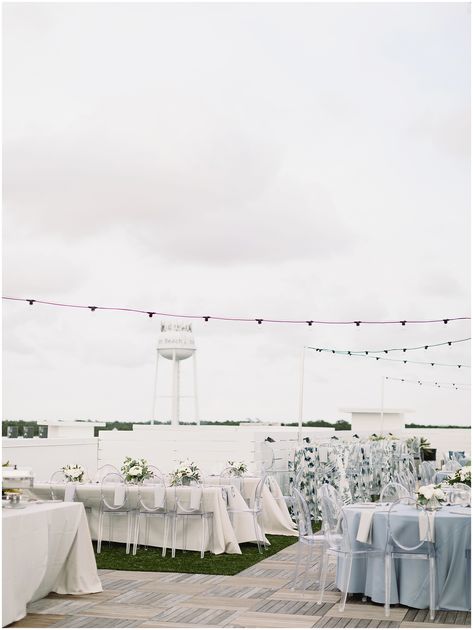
{"type": "Point", "coordinates": [259, 597]}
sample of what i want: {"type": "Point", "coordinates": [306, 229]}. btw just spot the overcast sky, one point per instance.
{"type": "Point", "coordinates": [282, 161]}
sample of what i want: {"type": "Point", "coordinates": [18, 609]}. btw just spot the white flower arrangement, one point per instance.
{"type": "Point", "coordinates": [73, 472]}
{"type": "Point", "coordinates": [135, 470]}
{"type": "Point", "coordinates": [237, 468]}
{"type": "Point", "coordinates": [185, 473]}
{"type": "Point", "coordinates": [463, 475]}
{"type": "Point", "coordinates": [430, 494]}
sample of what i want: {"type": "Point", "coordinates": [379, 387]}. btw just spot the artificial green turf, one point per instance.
{"type": "Point", "coordinates": [114, 557]}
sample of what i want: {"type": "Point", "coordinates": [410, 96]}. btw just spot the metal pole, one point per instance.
{"type": "Point", "coordinates": [155, 393]}
{"type": "Point", "coordinates": [196, 399]}
{"type": "Point", "coordinates": [383, 378]}
{"type": "Point", "coordinates": [301, 395]}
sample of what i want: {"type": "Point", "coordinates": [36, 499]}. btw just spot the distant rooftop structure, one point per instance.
{"type": "Point", "coordinates": [376, 420]}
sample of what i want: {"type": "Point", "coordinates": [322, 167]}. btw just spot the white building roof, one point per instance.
{"type": "Point", "coordinates": [375, 411]}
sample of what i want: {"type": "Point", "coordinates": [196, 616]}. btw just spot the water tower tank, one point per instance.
{"type": "Point", "coordinates": [176, 341]}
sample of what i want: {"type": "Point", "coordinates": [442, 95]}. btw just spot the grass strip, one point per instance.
{"type": "Point", "coordinates": [114, 557]}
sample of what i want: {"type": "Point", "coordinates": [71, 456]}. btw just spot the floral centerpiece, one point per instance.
{"type": "Point", "coordinates": [430, 497]}
{"type": "Point", "coordinates": [463, 475]}
{"type": "Point", "coordinates": [136, 470]}
{"type": "Point", "coordinates": [238, 469]}
{"type": "Point", "coordinates": [74, 472]}
{"type": "Point", "coordinates": [184, 474]}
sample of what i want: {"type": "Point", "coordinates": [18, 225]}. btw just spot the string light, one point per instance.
{"type": "Point", "coordinates": [364, 356]}
{"type": "Point", "coordinates": [432, 345]}
{"type": "Point", "coordinates": [455, 386]}
{"type": "Point", "coordinates": [259, 320]}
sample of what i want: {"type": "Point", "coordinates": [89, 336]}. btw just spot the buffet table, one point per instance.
{"type": "Point", "coordinates": [46, 547]}
{"type": "Point", "coordinates": [409, 585]}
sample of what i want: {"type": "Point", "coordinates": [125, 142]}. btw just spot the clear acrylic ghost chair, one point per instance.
{"type": "Point", "coordinates": [339, 544]}
{"type": "Point", "coordinates": [459, 494]}
{"type": "Point", "coordinates": [57, 479]}
{"type": "Point", "coordinates": [405, 543]}
{"type": "Point", "coordinates": [308, 540]}
{"type": "Point", "coordinates": [267, 457]}
{"type": "Point", "coordinates": [228, 478]}
{"type": "Point", "coordinates": [104, 470]}
{"type": "Point", "coordinates": [427, 473]}
{"type": "Point", "coordinates": [114, 501]}
{"type": "Point", "coordinates": [332, 493]}
{"type": "Point", "coordinates": [255, 511]}
{"type": "Point", "coordinates": [393, 491]}
{"type": "Point", "coordinates": [185, 506]}
{"type": "Point", "coordinates": [152, 503]}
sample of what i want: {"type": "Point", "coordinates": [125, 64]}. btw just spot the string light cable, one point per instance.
{"type": "Point", "coordinates": [386, 351]}
{"type": "Point", "coordinates": [376, 358]}
{"type": "Point", "coordinates": [258, 320]}
{"type": "Point", "coordinates": [457, 386]}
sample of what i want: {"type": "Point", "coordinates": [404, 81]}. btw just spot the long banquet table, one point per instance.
{"type": "Point", "coordinates": [46, 547]}
{"type": "Point", "coordinates": [409, 584]}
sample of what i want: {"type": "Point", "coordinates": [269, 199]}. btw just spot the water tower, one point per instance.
{"type": "Point", "coordinates": [176, 343]}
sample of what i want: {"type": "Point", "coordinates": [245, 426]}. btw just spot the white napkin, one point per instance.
{"type": "Point", "coordinates": [196, 495]}
{"type": "Point", "coordinates": [364, 528]}
{"type": "Point", "coordinates": [70, 492]}
{"type": "Point", "coordinates": [426, 520]}
{"type": "Point", "coordinates": [323, 454]}
{"type": "Point", "coordinates": [159, 494]}
{"type": "Point", "coordinates": [119, 495]}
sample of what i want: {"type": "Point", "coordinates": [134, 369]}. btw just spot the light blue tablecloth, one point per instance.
{"type": "Point", "coordinates": [410, 583]}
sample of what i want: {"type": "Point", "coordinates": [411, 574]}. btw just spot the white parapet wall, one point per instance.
{"type": "Point", "coordinates": [208, 446]}
{"type": "Point", "coordinates": [46, 456]}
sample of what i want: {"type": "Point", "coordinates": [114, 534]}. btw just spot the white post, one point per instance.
{"type": "Point", "coordinates": [175, 390]}
{"type": "Point", "coordinates": [301, 395]}
{"type": "Point", "coordinates": [383, 378]}
{"type": "Point", "coordinates": [155, 393]}
{"type": "Point", "coordinates": [196, 400]}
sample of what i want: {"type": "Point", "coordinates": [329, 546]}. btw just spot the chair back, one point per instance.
{"type": "Point", "coordinates": [152, 494]}
{"type": "Point", "coordinates": [228, 478]}
{"type": "Point", "coordinates": [57, 478]}
{"type": "Point", "coordinates": [103, 471]}
{"type": "Point", "coordinates": [267, 456]}
{"type": "Point", "coordinates": [394, 491]}
{"type": "Point", "coordinates": [427, 473]}
{"type": "Point", "coordinates": [405, 538]}
{"type": "Point", "coordinates": [302, 514]}
{"type": "Point", "coordinates": [113, 492]}
{"type": "Point", "coordinates": [187, 502]}
{"type": "Point", "coordinates": [332, 493]}
{"type": "Point", "coordinates": [334, 524]}
{"type": "Point", "coordinates": [460, 494]}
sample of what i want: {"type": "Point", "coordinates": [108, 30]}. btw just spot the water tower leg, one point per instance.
{"type": "Point", "coordinates": [196, 400]}
{"type": "Point", "coordinates": [154, 412]}
{"type": "Point", "coordinates": [175, 391]}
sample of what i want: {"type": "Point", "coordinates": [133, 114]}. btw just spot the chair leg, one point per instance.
{"type": "Point", "coordinates": [100, 532]}
{"type": "Point", "coordinates": [136, 533]}
{"type": "Point", "coordinates": [174, 533]}
{"type": "Point", "coordinates": [165, 535]}
{"type": "Point", "coordinates": [387, 584]}
{"type": "Point", "coordinates": [432, 587]}
{"type": "Point", "coordinates": [298, 562]}
{"type": "Point", "coordinates": [147, 519]}
{"type": "Point", "coordinates": [202, 541]}
{"type": "Point", "coordinates": [255, 525]}
{"type": "Point", "coordinates": [319, 570]}
{"type": "Point", "coordinates": [307, 566]}
{"type": "Point", "coordinates": [129, 527]}
{"type": "Point", "coordinates": [323, 578]}
{"type": "Point", "coordinates": [346, 582]}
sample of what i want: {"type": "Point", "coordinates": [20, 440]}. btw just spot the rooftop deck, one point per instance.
{"type": "Point", "coordinates": [257, 597]}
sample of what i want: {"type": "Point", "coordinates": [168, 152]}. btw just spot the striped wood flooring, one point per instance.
{"type": "Point", "coordinates": [259, 597]}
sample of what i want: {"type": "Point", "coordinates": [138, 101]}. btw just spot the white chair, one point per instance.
{"type": "Point", "coordinates": [185, 508]}
{"type": "Point", "coordinates": [405, 543]}
{"type": "Point", "coordinates": [308, 540]}
{"type": "Point", "coordinates": [114, 502]}
{"type": "Point", "coordinates": [392, 492]}
{"type": "Point", "coordinates": [340, 545]}
{"type": "Point", "coordinates": [152, 503]}
{"type": "Point", "coordinates": [255, 510]}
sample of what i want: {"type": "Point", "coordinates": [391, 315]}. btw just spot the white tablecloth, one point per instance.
{"type": "Point", "coordinates": [46, 547]}
{"type": "Point", "coordinates": [276, 517]}
{"type": "Point", "coordinates": [224, 538]}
